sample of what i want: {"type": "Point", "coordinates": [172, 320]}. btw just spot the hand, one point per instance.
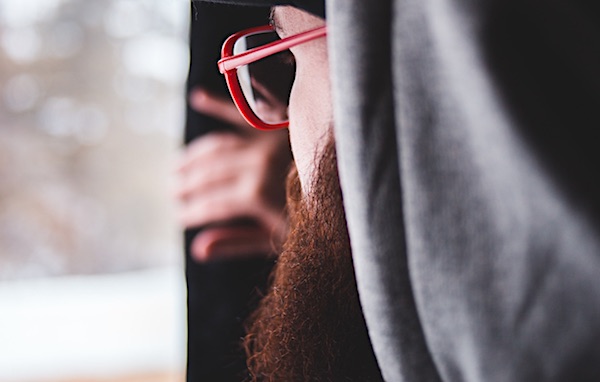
{"type": "Point", "coordinates": [232, 185]}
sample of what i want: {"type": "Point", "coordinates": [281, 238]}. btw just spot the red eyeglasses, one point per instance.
{"type": "Point", "coordinates": [259, 70]}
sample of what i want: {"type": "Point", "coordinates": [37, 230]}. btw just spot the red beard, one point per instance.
{"type": "Point", "coordinates": [310, 325]}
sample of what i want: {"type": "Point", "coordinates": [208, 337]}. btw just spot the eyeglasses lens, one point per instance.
{"type": "Point", "coordinates": [266, 83]}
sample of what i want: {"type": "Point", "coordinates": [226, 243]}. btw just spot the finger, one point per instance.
{"type": "Point", "coordinates": [227, 203]}
{"type": "Point", "coordinates": [233, 242]}
{"type": "Point", "coordinates": [249, 164]}
{"type": "Point", "coordinates": [246, 170]}
{"type": "Point", "coordinates": [207, 103]}
{"type": "Point", "coordinates": [215, 206]}
{"type": "Point", "coordinates": [210, 148]}
{"type": "Point", "coordinates": [207, 178]}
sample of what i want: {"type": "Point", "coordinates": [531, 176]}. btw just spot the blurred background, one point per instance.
{"type": "Point", "coordinates": [91, 119]}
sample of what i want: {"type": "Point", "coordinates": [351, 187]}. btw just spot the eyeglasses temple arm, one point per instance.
{"type": "Point", "coordinates": [233, 62]}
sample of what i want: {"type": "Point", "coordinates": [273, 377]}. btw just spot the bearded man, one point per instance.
{"type": "Point", "coordinates": [309, 326]}
{"type": "Point", "coordinates": [464, 133]}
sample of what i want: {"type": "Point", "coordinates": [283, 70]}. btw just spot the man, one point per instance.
{"type": "Point", "coordinates": [309, 326]}
{"type": "Point", "coordinates": [464, 133]}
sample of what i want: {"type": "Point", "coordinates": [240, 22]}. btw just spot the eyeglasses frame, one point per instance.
{"type": "Point", "coordinates": [229, 63]}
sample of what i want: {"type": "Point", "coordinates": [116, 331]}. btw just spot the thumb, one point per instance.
{"type": "Point", "coordinates": [205, 102]}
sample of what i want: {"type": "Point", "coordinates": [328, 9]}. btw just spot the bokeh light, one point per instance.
{"type": "Point", "coordinates": [91, 119]}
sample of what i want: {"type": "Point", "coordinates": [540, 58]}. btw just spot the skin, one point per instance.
{"type": "Point", "coordinates": [310, 326]}
{"type": "Point", "coordinates": [239, 182]}
{"type": "Point", "coordinates": [310, 108]}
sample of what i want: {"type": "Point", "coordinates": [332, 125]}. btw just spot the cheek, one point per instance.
{"type": "Point", "coordinates": [310, 118]}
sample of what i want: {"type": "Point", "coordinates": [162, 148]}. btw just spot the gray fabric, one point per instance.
{"type": "Point", "coordinates": [469, 172]}
{"type": "Point", "coordinates": [368, 165]}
